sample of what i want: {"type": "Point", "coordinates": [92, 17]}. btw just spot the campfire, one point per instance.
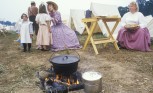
{"type": "Point", "coordinates": [66, 80]}
{"type": "Point", "coordinates": [63, 76]}
{"type": "Point", "coordinates": [54, 83]}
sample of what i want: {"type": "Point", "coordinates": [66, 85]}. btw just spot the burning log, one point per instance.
{"type": "Point", "coordinates": [52, 86]}
{"type": "Point", "coordinates": [53, 83]}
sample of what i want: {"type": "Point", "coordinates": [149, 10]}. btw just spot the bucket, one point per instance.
{"type": "Point", "coordinates": [92, 82]}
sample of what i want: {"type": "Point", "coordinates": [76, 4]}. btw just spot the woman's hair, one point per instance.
{"type": "Point", "coordinates": [136, 4]}
{"type": "Point", "coordinates": [42, 8]}
{"type": "Point", "coordinates": [24, 15]}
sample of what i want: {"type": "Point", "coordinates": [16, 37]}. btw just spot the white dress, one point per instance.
{"type": "Point", "coordinates": [42, 18]}
{"type": "Point", "coordinates": [134, 18]}
{"type": "Point", "coordinates": [25, 29]}
{"type": "Point", "coordinates": [44, 36]}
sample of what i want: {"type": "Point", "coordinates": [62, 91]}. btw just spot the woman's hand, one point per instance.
{"type": "Point", "coordinates": [131, 27]}
{"type": "Point", "coordinates": [125, 27]}
{"type": "Point", "coordinates": [49, 30]}
{"type": "Point", "coordinates": [136, 27]}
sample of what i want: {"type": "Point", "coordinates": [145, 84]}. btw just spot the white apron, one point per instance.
{"type": "Point", "coordinates": [25, 32]}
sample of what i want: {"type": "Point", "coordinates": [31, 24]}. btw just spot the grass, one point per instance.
{"type": "Point", "coordinates": [124, 71]}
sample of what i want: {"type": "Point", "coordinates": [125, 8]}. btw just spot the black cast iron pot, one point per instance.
{"type": "Point", "coordinates": [65, 64]}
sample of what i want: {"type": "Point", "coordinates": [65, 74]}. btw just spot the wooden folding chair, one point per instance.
{"type": "Point", "coordinates": [105, 41]}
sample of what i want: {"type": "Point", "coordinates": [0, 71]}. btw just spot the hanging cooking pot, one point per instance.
{"type": "Point", "coordinates": [65, 64]}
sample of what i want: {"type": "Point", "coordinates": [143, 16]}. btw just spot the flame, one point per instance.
{"type": "Point", "coordinates": [57, 77]}
{"type": "Point", "coordinates": [68, 82]}
{"type": "Point", "coordinates": [46, 79]}
{"type": "Point", "coordinates": [77, 82]}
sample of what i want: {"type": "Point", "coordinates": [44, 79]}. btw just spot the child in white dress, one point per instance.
{"type": "Point", "coordinates": [25, 31]}
{"type": "Point", "coordinates": [44, 34]}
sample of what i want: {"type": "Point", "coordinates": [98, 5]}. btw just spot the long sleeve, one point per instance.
{"type": "Point", "coordinates": [123, 20]}
{"type": "Point", "coordinates": [37, 18]}
{"type": "Point", "coordinates": [30, 28]}
{"type": "Point", "coordinates": [18, 28]}
{"type": "Point", "coordinates": [142, 21]}
{"type": "Point", "coordinates": [56, 19]}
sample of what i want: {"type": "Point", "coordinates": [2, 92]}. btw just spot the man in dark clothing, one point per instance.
{"type": "Point", "coordinates": [32, 12]}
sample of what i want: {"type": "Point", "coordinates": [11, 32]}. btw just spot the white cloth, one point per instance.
{"type": "Point", "coordinates": [134, 18]}
{"type": "Point", "coordinates": [105, 10]}
{"type": "Point", "coordinates": [25, 29]}
{"type": "Point", "coordinates": [76, 17]}
{"type": "Point", "coordinates": [42, 18]}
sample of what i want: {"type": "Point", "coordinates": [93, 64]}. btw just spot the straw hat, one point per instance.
{"type": "Point", "coordinates": [55, 6]}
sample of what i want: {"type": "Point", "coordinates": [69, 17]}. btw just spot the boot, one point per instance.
{"type": "Point", "coordinates": [24, 47]}
{"type": "Point", "coordinates": [29, 47]}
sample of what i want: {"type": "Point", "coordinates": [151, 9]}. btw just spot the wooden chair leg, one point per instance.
{"type": "Point", "coordinates": [116, 46]}
{"type": "Point", "coordinates": [90, 32]}
{"type": "Point", "coordinates": [94, 46]}
{"type": "Point", "coordinates": [105, 45]}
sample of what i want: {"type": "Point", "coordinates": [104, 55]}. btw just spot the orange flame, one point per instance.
{"type": "Point", "coordinates": [68, 82]}
{"type": "Point", "coordinates": [57, 77]}
{"type": "Point", "coordinates": [77, 82]}
{"type": "Point", "coordinates": [46, 79]}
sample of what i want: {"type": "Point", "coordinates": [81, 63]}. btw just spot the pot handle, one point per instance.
{"type": "Point", "coordinates": [67, 58]}
{"type": "Point", "coordinates": [77, 54]}
{"type": "Point", "coordinates": [52, 54]}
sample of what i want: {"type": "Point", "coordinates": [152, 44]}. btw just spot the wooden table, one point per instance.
{"type": "Point", "coordinates": [105, 41]}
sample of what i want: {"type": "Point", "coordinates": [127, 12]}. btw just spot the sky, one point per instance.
{"type": "Point", "coordinates": [12, 9]}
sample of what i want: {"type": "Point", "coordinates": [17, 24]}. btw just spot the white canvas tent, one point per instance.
{"type": "Point", "coordinates": [10, 28]}
{"type": "Point", "coordinates": [76, 16]}
{"type": "Point", "coordinates": [150, 27]}
{"type": "Point", "coordinates": [105, 10]}
{"type": "Point", "coordinates": [75, 21]}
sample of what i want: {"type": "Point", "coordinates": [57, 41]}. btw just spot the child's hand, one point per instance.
{"type": "Point", "coordinates": [31, 35]}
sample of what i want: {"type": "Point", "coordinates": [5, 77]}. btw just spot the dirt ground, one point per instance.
{"type": "Point", "coordinates": [123, 71]}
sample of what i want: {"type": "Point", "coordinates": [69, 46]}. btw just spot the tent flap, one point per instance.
{"type": "Point", "coordinates": [105, 10]}
{"type": "Point", "coordinates": [76, 17]}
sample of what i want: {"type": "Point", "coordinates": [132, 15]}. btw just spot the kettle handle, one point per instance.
{"type": "Point", "coordinates": [65, 58]}
{"type": "Point", "coordinates": [52, 55]}
{"type": "Point", "coordinates": [77, 54]}
{"type": "Point", "coordinates": [71, 49]}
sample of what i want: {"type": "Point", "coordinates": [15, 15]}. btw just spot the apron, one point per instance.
{"type": "Point", "coordinates": [25, 33]}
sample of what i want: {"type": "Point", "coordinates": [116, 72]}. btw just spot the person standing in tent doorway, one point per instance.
{"type": "Point", "coordinates": [137, 38]}
{"type": "Point", "coordinates": [32, 12]}
{"type": "Point", "coordinates": [44, 34]}
{"type": "Point", "coordinates": [25, 31]}
{"type": "Point", "coordinates": [63, 36]}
